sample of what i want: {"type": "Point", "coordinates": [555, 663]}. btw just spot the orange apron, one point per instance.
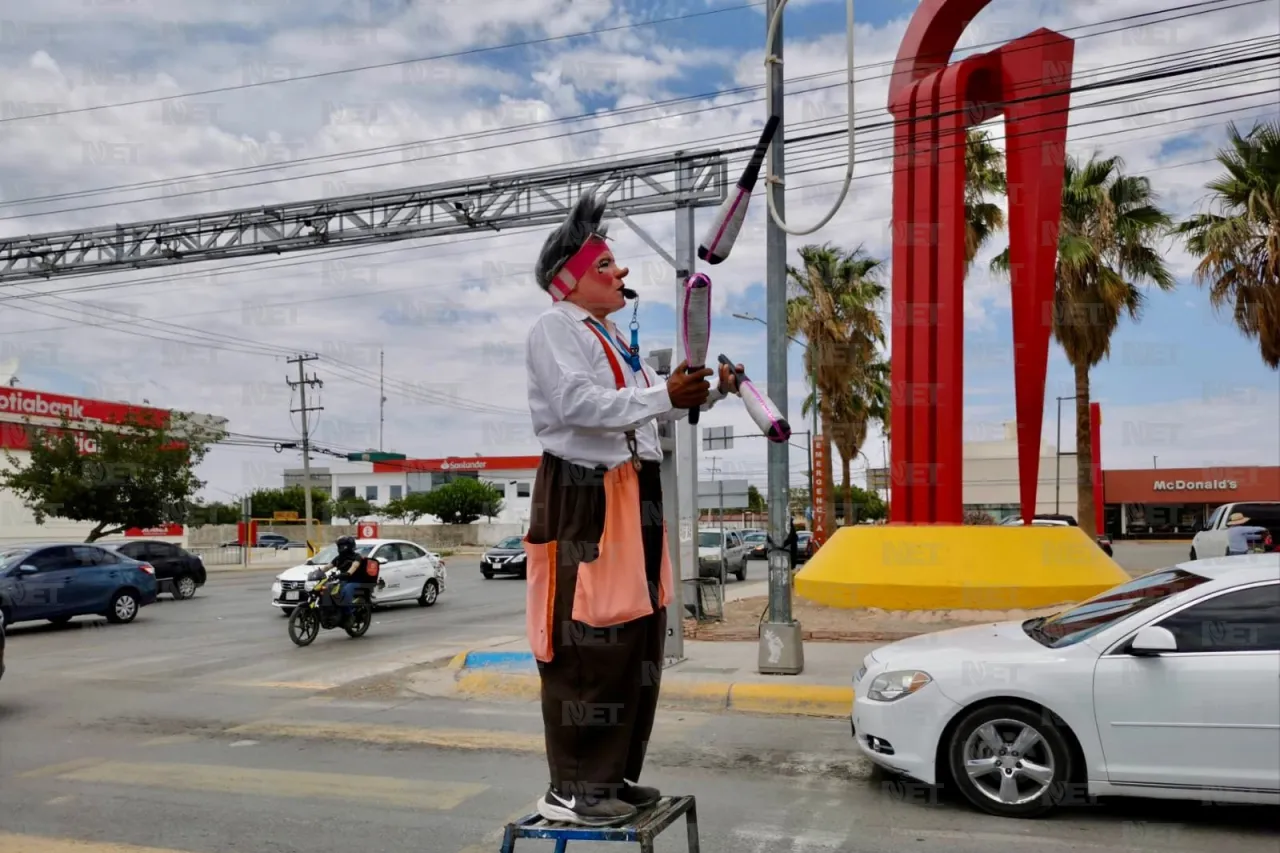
{"type": "Point", "coordinates": [611, 589]}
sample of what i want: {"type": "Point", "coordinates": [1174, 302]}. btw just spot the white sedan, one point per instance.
{"type": "Point", "coordinates": [1167, 686]}
{"type": "Point", "coordinates": [407, 572]}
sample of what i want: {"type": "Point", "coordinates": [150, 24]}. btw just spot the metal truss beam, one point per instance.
{"type": "Point", "coordinates": [632, 188]}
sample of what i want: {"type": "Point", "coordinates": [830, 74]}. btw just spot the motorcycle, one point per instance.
{"type": "Point", "coordinates": [322, 610]}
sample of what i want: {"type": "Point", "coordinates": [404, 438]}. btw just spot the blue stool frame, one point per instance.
{"type": "Point", "coordinates": [642, 830]}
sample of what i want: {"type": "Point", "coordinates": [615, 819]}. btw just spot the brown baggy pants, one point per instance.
{"type": "Point", "coordinates": [600, 690]}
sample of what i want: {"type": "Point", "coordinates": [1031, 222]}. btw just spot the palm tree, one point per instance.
{"type": "Point", "coordinates": [1105, 247]}
{"type": "Point", "coordinates": [1239, 249]}
{"type": "Point", "coordinates": [833, 305]}
{"type": "Point", "coordinates": [863, 401]}
{"type": "Point", "coordinates": [984, 178]}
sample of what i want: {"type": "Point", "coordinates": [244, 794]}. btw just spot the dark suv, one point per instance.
{"type": "Point", "coordinates": [178, 571]}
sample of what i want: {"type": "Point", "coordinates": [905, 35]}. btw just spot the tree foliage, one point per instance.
{"type": "Point", "coordinates": [855, 504]}
{"type": "Point", "coordinates": [265, 503]}
{"type": "Point", "coordinates": [755, 500]}
{"type": "Point", "coordinates": [352, 508]}
{"type": "Point", "coordinates": [409, 508]}
{"type": "Point", "coordinates": [1239, 246]}
{"type": "Point", "coordinates": [463, 501]}
{"type": "Point", "coordinates": [116, 477]}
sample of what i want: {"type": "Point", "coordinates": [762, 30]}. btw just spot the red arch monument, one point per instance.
{"type": "Point", "coordinates": [927, 560]}
{"type": "Point", "coordinates": [935, 101]}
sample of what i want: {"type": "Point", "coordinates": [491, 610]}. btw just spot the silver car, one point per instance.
{"type": "Point", "coordinates": [736, 552]}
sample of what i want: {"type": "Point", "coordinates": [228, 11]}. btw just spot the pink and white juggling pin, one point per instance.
{"type": "Point", "coordinates": [695, 325]}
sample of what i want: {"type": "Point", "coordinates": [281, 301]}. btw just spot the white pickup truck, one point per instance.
{"type": "Point", "coordinates": [1211, 541]}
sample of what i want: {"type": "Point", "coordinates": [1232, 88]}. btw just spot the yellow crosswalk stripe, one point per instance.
{"type": "Point", "coordinates": [11, 843]}
{"type": "Point", "coordinates": [403, 735]}
{"type": "Point", "coordinates": [471, 739]}
{"type": "Point", "coordinates": [380, 790]}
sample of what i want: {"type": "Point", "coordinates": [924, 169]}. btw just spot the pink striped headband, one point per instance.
{"type": "Point", "coordinates": [574, 268]}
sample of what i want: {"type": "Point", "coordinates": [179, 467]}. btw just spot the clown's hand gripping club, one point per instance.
{"type": "Point", "coordinates": [695, 325]}
{"type": "Point", "coordinates": [762, 410]}
{"type": "Point", "coordinates": [719, 239]}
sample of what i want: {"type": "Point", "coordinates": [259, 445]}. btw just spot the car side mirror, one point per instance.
{"type": "Point", "coordinates": [1152, 641]}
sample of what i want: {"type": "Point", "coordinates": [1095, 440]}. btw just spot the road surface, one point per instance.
{"type": "Point", "coordinates": [201, 728]}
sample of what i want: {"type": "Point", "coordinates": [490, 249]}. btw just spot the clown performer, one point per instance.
{"type": "Point", "coordinates": [599, 573]}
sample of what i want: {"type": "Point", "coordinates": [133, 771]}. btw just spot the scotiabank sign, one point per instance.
{"type": "Point", "coordinates": [1195, 485]}
{"type": "Point", "coordinates": [18, 437]}
{"type": "Point", "coordinates": [20, 403]}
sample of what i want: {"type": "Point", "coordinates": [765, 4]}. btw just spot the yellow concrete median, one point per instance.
{"type": "Point", "coordinates": [806, 700]}
{"type": "Point", "coordinates": [952, 567]}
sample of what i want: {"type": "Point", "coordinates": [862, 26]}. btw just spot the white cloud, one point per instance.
{"type": "Point", "coordinates": [461, 306]}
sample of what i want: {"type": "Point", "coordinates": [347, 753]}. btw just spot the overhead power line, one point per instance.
{"type": "Point", "coordinates": [1181, 68]}
{"type": "Point", "coordinates": [320, 75]}
{"type": "Point", "coordinates": [340, 253]}
{"type": "Point", "coordinates": [594, 116]}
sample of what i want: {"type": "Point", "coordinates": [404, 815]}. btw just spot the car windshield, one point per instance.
{"type": "Point", "coordinates": [511, 543]}
{"type": "Point", "coordinates": [1258, 515]}
{"type": "Point", "coordinates": [328, 552]}
{"type": "Point", "coordinates": [708, 540]}
{"type": "Point", "coordinates": [753, 538]}
{"type": "Point", "coordinates": [1084, 620]}
{"type": "Point", "coordinates": [10, 558]}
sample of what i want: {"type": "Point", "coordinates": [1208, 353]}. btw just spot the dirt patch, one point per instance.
{"type": "Point", "coordinates": [830, 624]}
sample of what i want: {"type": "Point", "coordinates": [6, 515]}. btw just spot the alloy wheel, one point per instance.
{"type": "Point", "coordinates": [1009, 762]}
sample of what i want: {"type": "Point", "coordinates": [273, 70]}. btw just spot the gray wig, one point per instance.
{"type": "Point", "coordinates": [562, 244]}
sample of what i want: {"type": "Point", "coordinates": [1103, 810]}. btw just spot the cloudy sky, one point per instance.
{"type": "Point", "coordinates": [580, 85]}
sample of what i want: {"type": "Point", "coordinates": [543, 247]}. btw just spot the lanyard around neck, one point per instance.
{"type": "Point", "coordinates": [632, 358]}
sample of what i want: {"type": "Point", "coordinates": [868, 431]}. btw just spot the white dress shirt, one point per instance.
{"type": "Point", "coordinates": [578, 412]}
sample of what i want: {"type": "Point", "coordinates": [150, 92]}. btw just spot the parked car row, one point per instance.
{"type": "Point", "coordinates": [269, 540]}
{"type": "Point", "coordinates": [59, 581]}
{"type": "Point", "coordinates": [1060, 520]}
{"type": "Point", "coordinates": [737, 546]}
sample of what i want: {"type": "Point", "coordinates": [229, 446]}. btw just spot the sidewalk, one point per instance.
{"type": "Point", "coordinates": [714, 676]}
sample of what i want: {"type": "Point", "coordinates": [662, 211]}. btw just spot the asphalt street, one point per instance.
{"type": "Point", "coordinates": [201, 728]}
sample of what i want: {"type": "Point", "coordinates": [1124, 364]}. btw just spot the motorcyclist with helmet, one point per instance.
{"type": "Point", "coordinates": [355, 573]}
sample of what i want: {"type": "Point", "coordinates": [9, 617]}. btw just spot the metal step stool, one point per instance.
{"type": "Point", "coordinates": [646, 826]}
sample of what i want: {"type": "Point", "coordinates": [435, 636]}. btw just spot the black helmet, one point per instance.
{"type": "Point", "coordinates": [346, 544]}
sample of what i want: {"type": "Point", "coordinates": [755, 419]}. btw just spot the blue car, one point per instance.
{"type": "Point", "coordinates": [61, 581]}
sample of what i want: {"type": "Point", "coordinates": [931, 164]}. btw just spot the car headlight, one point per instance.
{"type": "Point", "coordinates": [892, 686]}
{"type": "Point", "coordinates": [275, 589]}
{"type": "Point", "coordinates": [519, 558]}
{"type": "Point", "coordinates": [310, 585]}
{"type": "Point", "coordinates": [857, 676]}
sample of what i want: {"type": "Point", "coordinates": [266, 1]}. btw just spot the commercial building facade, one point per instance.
{"type": "Point", "coordinates": [1174, 502]}
{"type": "Point", "coordinates": [383, 482]}
{"type": "Point", "coordinates": [23, 411]}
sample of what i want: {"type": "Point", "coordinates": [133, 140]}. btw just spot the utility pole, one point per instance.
{"type": "Point", "coordinates": [302, 384]}
{"type": "Point", "coordinates": [382, 397]}
{"type": "Point", "coordinates": [1057, 461]}
{"type": "Point", "coordinates": [780, 649]}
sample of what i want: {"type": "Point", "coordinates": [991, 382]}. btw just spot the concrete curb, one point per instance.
{"type": "Point", "coordinates": [513, 676]}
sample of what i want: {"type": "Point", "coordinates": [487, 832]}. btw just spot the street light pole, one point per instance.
{"type": "Point", "coordinates": [1057, 460]}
